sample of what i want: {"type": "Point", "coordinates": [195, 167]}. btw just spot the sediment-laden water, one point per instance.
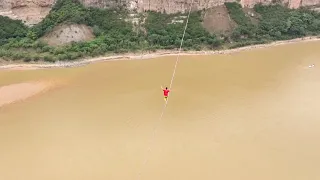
{"type": "Point", "coordinates": [250, 115]}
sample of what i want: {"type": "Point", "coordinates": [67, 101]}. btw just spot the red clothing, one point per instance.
{"type": "Point", "coordinates": [166, 92]}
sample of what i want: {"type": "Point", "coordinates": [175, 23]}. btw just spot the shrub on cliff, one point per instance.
{"type": "Point", "coordinates": [282, 23]}
{"type": "Point", "coordinates": [49, 58]}
{"type": "Point", "coordinates": [236, 13]}
{"type": "Point", "coordinates": [167, 30]}
{"type": "Point", "coordinates": [64, 10]}
{"type": "Point", "coordinates": [11, 29]}
{"type": "Point", "coordinates": [245, 29]}
{"type": "Point", "coordinates": [276, 23]}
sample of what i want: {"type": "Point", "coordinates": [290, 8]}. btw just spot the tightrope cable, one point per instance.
{"type": "Point", "coordinates": [170, 87]}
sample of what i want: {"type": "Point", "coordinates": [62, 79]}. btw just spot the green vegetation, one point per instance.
{"type": "Point", "coordinates": [281, 23]}
{"type": "Point", "coordinates": [11, 29]}
{"type": "Point", "coordinates": [165, 31]}
{"type": "Point", "coordinates": [236, 13]}
{"type": "Point", "coordinates": [64, 10]}
{"type": "Point", "coordinates": [245, 27]}
{"type": "Point", "coordinates": [276, 23]}
{"type": "Point", "coordinates": [114, 34]}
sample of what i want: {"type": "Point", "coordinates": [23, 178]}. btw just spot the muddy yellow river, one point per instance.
{"type": "Point", "coordinates": [251, 115]}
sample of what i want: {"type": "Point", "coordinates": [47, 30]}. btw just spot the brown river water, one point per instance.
{"type": "Point", "coordinates": [252, 115]}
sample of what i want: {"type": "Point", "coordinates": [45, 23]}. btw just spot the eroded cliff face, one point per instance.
{"type": "Point", "coordinates": [104, 3]}
{"type": "Point", "coordinates": [310, 2]}
{"type": "Point", "coordinates": [291, 3]}
{"type": "Point", "coordinates": [29, 11]}
{"type": "Point", "coordinates": [33, 11]}
{"type": "Point", "coordinates": [9, 4]}
{"type": "Point", "coordinates": [173, 6]}
{"type": "Point", "coordinates": [168, 6]}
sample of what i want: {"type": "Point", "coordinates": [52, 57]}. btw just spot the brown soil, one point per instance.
{"type": "Point", "coordinates": [217, 20]}
{"type": "Point", "coordinates": [31, 15]}
{"type": "Point", "coordinates": [68, 33]}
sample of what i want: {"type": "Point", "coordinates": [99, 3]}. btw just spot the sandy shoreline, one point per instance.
{"type": "Point", "coordinates": [17, 92]}
{"type": "Point", "coordinates": [131, 56]}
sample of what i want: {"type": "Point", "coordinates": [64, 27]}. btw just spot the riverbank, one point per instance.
{"type": "Point", "coordinates": [132, 56]}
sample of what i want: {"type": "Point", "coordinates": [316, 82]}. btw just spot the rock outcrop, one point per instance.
{"type": "Point", "coordinates": [173, 6]}
{"type": "Point", "coordinates": [29, 11]}
{"type": "Point", "coordinates": [33, 11]}
{"type": "Point", "coordinates": [310, 2]}
{"type": "Point", "coordinates": [8, 4]}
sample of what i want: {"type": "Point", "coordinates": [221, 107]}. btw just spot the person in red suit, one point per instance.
{"type": "Point", "coordinates": [165, 93]}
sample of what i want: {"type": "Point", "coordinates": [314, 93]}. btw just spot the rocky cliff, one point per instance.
{"type": "Point", "coordinates": [32, 11]}
{"type": "Point", "coordinates": [29, 11]}
{"type": "Point", "coordinates": [173, 6]}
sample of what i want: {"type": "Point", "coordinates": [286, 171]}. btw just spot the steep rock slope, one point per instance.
{"type": "Point", "coordinates": [173, 6]}
{"type": "Point", "coordinates": [29, 11]}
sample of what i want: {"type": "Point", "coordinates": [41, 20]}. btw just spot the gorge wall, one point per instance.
{"type": "Point", "coordinates": [173, 6]}
{"type": "Point", "coordinates": [29, 11]}
{"type": "Point", "coordinates": [32, 11]}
